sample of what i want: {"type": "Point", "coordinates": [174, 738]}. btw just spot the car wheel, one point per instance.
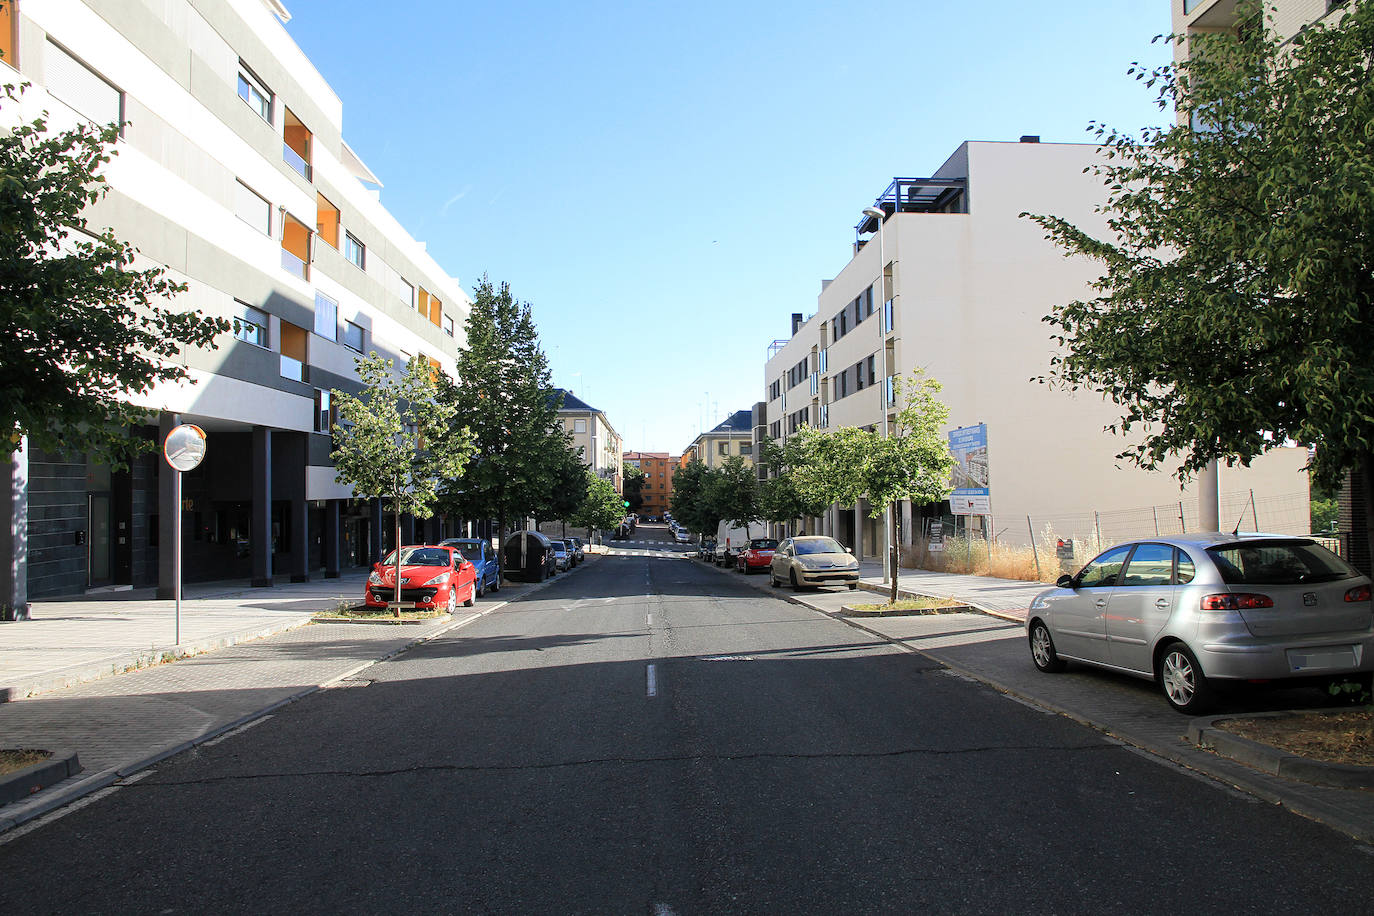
{"type": "Point", "coordinates": [772, 579]}
{"type": "Point", "coordinates": [1182, 680]}
{"type": "Point", "coordinates": [480, 590]}
{"type": "Point", "coordinates": [792, 575]}
{"type": "Point", "coordinates": [452, 599]}
{"type": "Point", "coordinates": [1042, 649]}
{"type": "Point", "coordinates": [471, 600]}
{"type": "Point", "coordinates": [496, 583]}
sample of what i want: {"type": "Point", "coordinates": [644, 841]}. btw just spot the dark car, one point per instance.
{"type": "Point", "coordinates": [578, 549]}
{"type": "Point", "coordinates": [528, 556]}
{"type": "Point", "coordinates": [480, 553]}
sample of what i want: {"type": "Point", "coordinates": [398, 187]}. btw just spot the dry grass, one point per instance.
{"type": "Point", "coordinates": [1346, 737]}
{"type": "Point", "coordinates": [923, 603]}
{"type": "Point", "coordinates": [973, 557]}
{"type": "Point", "coordinates": [12, 761]}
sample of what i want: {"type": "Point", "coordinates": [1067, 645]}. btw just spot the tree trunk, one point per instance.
{"type": "Point", "coordinates": [892, 548]}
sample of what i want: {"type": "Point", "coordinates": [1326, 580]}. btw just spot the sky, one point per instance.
{"type": "Point", "coordinates": [666, 184]}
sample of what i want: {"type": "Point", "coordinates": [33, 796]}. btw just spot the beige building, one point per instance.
{"type": "Point", "coordinates": [591, 432]}
{"type": "Point", "coordinates": [732, 437]}
{"type": "Point", "coordinates": [1285, 17]}
{"type": "Point", "coordinates": [964, 284]}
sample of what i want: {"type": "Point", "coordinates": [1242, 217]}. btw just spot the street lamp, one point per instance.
{"type": "Point", "coordinates": [889, 518]}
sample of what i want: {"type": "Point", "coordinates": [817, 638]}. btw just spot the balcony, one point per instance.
{"type": "Point", "coordinates": [296, 161]}
{"type": "Point", "coordinates": [296, 144]}
{"type": "Point", "coordinates": [917, 195]}
{"type": "Point", "coordinates": [293, 369]}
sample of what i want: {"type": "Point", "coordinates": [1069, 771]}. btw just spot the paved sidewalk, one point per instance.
{"type": "Point", "coordinates": [991, 648]}
{"type": "Point", "coordinates": [119, 725]}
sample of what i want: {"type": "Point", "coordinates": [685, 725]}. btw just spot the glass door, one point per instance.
{"type": "Point", "coordinates": [98, 544]}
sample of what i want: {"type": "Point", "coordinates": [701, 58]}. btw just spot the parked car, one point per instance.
{"type": "Point", "coordinates": [480, 553]}
{"type": "Point", "coordinates": [813, 560]}
{"type": "Point", "coordinates": [757, 554]}
{"type": "Point", "coordinates": [730, 540]}
{"type": "Point", "coordinates": [1196, 612]}
{"type": "Point", "coordinates": [681, 536]}
{"type": "Point", "coordinates": [432, 578]}
{"type": "Point", "coordinates": [562, 556]}
{"type": "Point", "coordinates": [579, 551]}
{"type": "Point", "coordinates": [707, 550]}
{"type": "Point", "coordinates": [528, 555]}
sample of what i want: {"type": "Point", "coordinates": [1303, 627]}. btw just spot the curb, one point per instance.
{"type": "Point", "coordinates": [384, 621]}
{"type": "Point", "coordinates": [908, 593]}
{"type": "Point", "coordinates": [39, 776]}
{"type": "Point", "coordinates": [848, 611]}
{"type": "Point", "coordinates": [132, 661]}
{"type": "Point", "coordinates": [1204, 733]}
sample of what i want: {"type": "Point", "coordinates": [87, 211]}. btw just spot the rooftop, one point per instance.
{"type": "Point", "coordinates": [741, 421]}
{"type": "Point", "coordinates": [571, 401]}
{"type": "Point", "coordinates": [918, 195]}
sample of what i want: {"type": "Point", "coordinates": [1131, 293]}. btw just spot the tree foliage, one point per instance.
{"type": "Point", "coordinates": [779, 499]}
{"type": "Point", "coordinates": [1234, 310]}
{"type": "Point", "coordinates": [567, 477]}
{"type": "Point", "coordinates": [601, 507]}
{"type": "Point", "coordinates": [502, 394]}
{"type": "Point", "coordinates": [732, 493]}
{"type": "Point", "coordinates": [691, 505]}
{"type": "Point", "coordinates": [633, 485]}
{"type": "Point", "coordinates": [84, 332]}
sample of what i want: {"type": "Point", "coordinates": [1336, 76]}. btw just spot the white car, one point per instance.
{"type": "Point", "coordinates": [682, 536]}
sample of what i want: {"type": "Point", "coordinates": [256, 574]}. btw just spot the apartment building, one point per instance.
{"type": "Point", "coordinates": [593, 434]}
{"type": "Point", "coordinates": [945, 275]}
{"type": "Point", "coordinates": [1285, 17]}
{"type": "Point", "coordinates": [733, 436]}
{"type": "Point", "coordinates": [233, 174]}
{"type": "Point", "coordinates": [658, 468]}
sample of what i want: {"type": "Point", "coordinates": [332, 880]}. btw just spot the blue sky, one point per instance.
{"type": "Point", "coordinates": [666, 184]}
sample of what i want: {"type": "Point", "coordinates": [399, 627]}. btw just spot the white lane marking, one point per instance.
{"type": "Point", "coordinates": [728, 658]}
{"type": "Point", "coordinates": [652, 680]}
{"type": "Point", "coordinates": [237, 731]}
{"type": "Point", "coordinates": [663, 909]}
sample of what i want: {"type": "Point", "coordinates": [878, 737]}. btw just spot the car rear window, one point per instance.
{"type": "Point", "coordinates": [1278, 563]}
{"type": "Point", "coordinates": [763, 544]}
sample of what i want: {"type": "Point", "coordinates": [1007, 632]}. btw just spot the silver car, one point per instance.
{"type": "Point", "coordinates": [813, 560]}
{"type": "Point", "coordinates": [1192, 611]}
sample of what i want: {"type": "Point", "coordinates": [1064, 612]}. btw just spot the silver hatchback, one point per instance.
{"type": "Point", "coordinates": [1190, 611]}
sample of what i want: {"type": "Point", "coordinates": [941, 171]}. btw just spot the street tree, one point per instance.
{"type": "Point", "coordinates": [86, 335]}
{"type": "Point", "coordinates": [567, 483]}
{"type": "Point", "coordinates": [602, 506]}
{"type": "Point", "coordinates": [779, 499]}
{"type": "Point", "coordinates": [395, 440]}
{"type": "Point", "coordinates": [1237, 293]}
{"type": "Point", "coordinates": [633, 485]}
{"type": "Point", "coordinates": [502, 394]}
{"type": "Point", "coordinates": [912, 462]}
{"type": "Point", "coordinates": [732, 491]}
{"type": "Point", "coordinates": [691, 504]}
{"type": "Point", "coordinates": [830, 466]}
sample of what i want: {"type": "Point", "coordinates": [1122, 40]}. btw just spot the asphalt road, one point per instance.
{"type": "Point", "coordinates": [650, 735]}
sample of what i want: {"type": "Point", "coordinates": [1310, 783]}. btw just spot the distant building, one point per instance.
{"type": "Point", "coordinates": [591, 432]}
{"type": "Point", "coordinates": [658, 468]}
{"type": "Point", "coordinates": [734, 436]}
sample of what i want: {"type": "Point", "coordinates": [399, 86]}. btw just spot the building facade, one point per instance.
{"type": "Point", "coordinates": [658, 468]}
{"type": "Point", "coordinates": [951, 279]}
{"type": "Point", "coordinates": [232, 173]}
{"type": "Point", "coordinates": [591, 433]}
{"type": "Point", "coordinates": [734, 436]}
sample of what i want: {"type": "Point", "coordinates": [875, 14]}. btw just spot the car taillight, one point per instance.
{"type": "Point", "coordinates": [1235, 602]}
{"type": "Point", "coordinates": [1358, 593]}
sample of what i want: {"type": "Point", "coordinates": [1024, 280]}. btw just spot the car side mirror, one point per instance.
{"type": "Point", "coordinates": [849, 550]}
{"type": "Point", "coordinates": [1065, 582]}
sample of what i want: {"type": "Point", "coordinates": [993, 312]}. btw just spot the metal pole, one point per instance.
{"type": "Point", "coordinates": [1034, 551]}
{"type": "Point", "coordinates": [1182, 522]}
{"type": "Point", "coordinates": [1097, 527]}
{"type": "Point", "coordinates": [176, 550]}
{"type": "Point", "coordinates": [1253, 514]}
{"type": "Point", "coordinates": [1155, 510]}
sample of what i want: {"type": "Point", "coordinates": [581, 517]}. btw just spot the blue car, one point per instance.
{"type": "Point", "coordinates": [482, 555]}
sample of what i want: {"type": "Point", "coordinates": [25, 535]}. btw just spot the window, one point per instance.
{"type": "Point", "coordinates": [296, 139]}
{"type": "Point", "coordinates": [295, 247]}
{"type": "Point", "coordinates": [448, 325]}
{"type": "Point", "coordinates": [353, 336]}
{"type": "Point", "coordinates": [430, 306]}
{"type": "Point", "coordinates": [326, 317]}
{"type": "Point", "coordinates": [355, 251]}
{"type": "Point", "coordinates": [324, 411]}
{"type": "Point", "coordinates": [775, 390]}
{"type": "Point", "coordinates": [7, 42]}
{"type": "Point", "coordinates": [82, 88]}
{"type": "Point", "coordinates": [1151, 564]}
{"type": "Point", "coordinates": [824, 365]}
{"type": "Point", "coordinates": [293, 350]}
{"type": "Point", "coordinates": [723, 447]}
{"type": "Point", "coordinates": [746, 448]}
{"type": "Point", "coordinates": [871, 365]}
{"type": "Point", "coordinates": [255, 93]}
{"type": "Point", "coordinates": [579, 426]}
{"type": "Point", "coordinates": [326, 221]}
{"type": "Point", "coordinates": [251, 326]}
{"type": "Point", "coordinates": [887, 317]}
{"type": "Point", "coordinates": [1103, 571]}
{"type": "Point", "coordinates": [252, 209]}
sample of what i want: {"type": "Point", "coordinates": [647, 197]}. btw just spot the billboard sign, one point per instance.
{"type": "Point", "coordinates": [971, 496]}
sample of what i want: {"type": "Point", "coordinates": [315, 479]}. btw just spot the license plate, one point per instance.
{"type": "Point", "coordinates": [1322, 658]}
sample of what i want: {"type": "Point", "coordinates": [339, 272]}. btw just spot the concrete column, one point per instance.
{"type": "Point", "coordinates": [168, 513]}
{"type": "Point", "coordinates": [1209, 497]}
{"type": "Point", "coordinates": [260, 538]}
{"type": "Point", "coordinates": [908, 523]}
{"type": "Point", "coordinates": [332, 536]}
{"type": "Point", "coordinates": [14, 536]}
{"type": "Point", "coordinates": [300, 537]}
{"type": "Point", "coordinates": [859, 528]}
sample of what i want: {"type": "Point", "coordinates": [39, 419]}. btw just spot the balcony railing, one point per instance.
{"type": "Point", "coordinates": [292, 368]}
{"type": "Point", "coordinates": [294, 265]}
{"type": "Point", "coordinates": [296, 161]}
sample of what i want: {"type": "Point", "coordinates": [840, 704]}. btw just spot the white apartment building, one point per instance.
{"type": "Point", "coordinates": [1285, 17]}
{"type": "Point", "coordinates": [232, 173]}
{"type": "Point", "coordinates": [591, 433]}
{"type": "Point", "coordinates": [964, 284]}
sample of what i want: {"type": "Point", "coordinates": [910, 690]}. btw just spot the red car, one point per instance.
{"type": "Point", "coordinates": [432, 578]}
{"type": "Point", "coordinates": [757, 555]}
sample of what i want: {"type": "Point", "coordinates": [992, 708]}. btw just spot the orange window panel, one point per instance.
{"type": "Point", "coordinates": [293, 341]}
{"type": "Point", "coordinates": [436, 311]}
{"type": "Point", "coordinates": [326, 220]}
{"type": "Point", "coordinates": [422, 299]}
{"type": "Point", "coordinates": [7, 32]}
